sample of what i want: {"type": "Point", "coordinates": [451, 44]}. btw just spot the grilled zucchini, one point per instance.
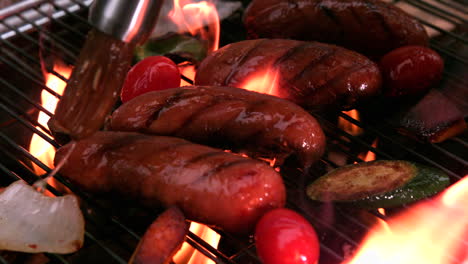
{"type": "Point", "coordinates": [375, 184]}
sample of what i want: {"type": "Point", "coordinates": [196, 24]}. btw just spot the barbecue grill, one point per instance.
{"type": "Point", "coordinates": [34, 34]}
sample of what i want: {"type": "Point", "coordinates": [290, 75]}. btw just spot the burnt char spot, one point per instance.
{"type": "Point", "coordinates": [236, 66]}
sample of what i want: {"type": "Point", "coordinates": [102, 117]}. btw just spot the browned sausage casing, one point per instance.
{"type": "Point", "coordinates": [162, 239]}
{"type": "Point", "coordinates": [260, 124]}
{"type": "Point", "coordinates": [312, 74]}
{"type": "Point", "coordinates": [371, 27]}
{"type": "Point", "coordinates": [210, 186]}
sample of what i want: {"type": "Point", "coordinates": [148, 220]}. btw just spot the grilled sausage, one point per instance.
{"type": "Point", "coordinates": [226, 117]}
{"type": "Point", "coordinates": [311, 74]}
{"type": "Point", "coordinates": [209, 185]}
{"type": "Point", "coordinates": [371, 27]}
{"type": "Point", "coordinates": [162, 239]}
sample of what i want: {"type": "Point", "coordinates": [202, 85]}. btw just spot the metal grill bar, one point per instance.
{"type": "Point", "coordinates": [30, 58]}
{"type": "Point", "coordinates": [25, 97]}
{"type": "Point", "coordinates": [400, 145]}
{"type": "Point", "coordinates": [24, 115]}
{"type": "Point", "coordinates": [339, 139]}
{"type": "Point", "coordinates": [29, 9]}
{"type": "Point", "coordinates": [52, 37]}
{"type": "Point", "coordinates": [454, 5]}
{"type": "Point", "coordinates": [66, 26]}
{"type": "Point", "coordinates": [441, 13]}
{"type": "Point", "coordinates": [33, 40]}
{"type": "Point", "coordinates": [205, 248]}
{"type": "Point", "coordinates": [453, 35]}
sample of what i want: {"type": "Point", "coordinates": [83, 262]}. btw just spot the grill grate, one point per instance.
{"type": "Point", "coordinates": [29, 44]}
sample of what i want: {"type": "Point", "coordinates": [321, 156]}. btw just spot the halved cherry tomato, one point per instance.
{"type": "Point", "coordinates": [283, 236]}
{"type": "Point", "coordinates": [150, 74]}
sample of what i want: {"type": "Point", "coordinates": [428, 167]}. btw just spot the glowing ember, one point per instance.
{"type": "Point", "coordinates": [193, 17]}
{"type": "Point", "coordinates": [349, 127]}
{"type": "Point", "coordinates": [431, 232]}
{"type": "Point", "coordinates": [266, 82]}
{"type": "Point", "coordinates": [39, 147]}
{"type": "Point", "coordinates": [187, 254]}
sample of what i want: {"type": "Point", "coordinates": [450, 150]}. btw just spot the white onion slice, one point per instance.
{"type": "Point", "coordinates": [32, 222]}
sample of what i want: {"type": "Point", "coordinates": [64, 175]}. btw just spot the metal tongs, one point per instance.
{"type": "Point", "coordinates": [127, 20]}
{"type": "Point", "coordinates": [95, 83]}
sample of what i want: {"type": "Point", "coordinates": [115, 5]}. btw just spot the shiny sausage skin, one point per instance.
{"type": "Point", "coordinates": [371, 27]}
{"type": "Point", "coordinates": [162, 239]}
{"type": "Point", "coordinates": [209, 185]}
{"type": "Point", "coordinates": [314, 75]}
{"type": "Point", "coordinates": [243, 121]}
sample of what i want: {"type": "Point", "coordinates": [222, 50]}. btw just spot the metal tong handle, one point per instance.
{"type": "Point", "coordinates": [127, 20]}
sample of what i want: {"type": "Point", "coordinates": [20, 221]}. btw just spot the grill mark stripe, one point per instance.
{"type": "Point", "coordinates": [292, 51]}
{"type": "Point", "coordinates": [223, 166]}
{"type": "Point", "coordinates": [190, 119]}
{"type": "Point", "coordinates": [169, 102]}
{"type": "Point", "coordinates": [242, 61]}
{"type": "Point", "coordinates": [205, 156]}
{"type": "Point", "coordinates": [339, 76]}
{"type": "Point", "coordinates": [344, 73]}
{"type": "Point", "coordinates": [248, 111]}
{"type": "Point", "coordinates": [330, 13]}
{"type": "Point", "coordinates": [379, 17]}
{"type": "Point", "coordinates": [121, 142]}
{"type": "Point", "coordinates": [174, 146]}
{"type": "Point", "coordinates": [356, 16]}
{"type": "Point", "coordinates": [311, 65]}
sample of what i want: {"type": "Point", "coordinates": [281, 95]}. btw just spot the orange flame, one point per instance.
{"type": "Point", "coordinates": [187, 254]}
{"type": "Point", "coordinates": [349, 127]}
{"type": "Point", "coordinates": [263, 82]}
{"type": "Point", "coordinates": [431, 232]}
{"type": "Point", "coordinates": [188, 70]}
{"type": "Point", "coordinates": [39, 147]}
{"type": "Point", "coordinates": [193, 17]}
{"type": "Point", "coordinates": [370, 155]}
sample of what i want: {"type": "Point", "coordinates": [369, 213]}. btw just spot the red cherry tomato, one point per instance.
{"type": "Point", "coordinates": [283, 236]}
{"type": "Point", "coordinates": [150, 74]}
{"type": "Point", "coordinates": [410, 70]}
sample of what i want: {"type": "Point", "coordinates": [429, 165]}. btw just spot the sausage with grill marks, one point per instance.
{"type": "Point", "coordinates": [314, 75]}
{"type": "Point", "coordinates": [243, 121]}
{"type": "Point", "coordinates": [209, 185]}
{"type": "Point", "coordinates": [371, 27]}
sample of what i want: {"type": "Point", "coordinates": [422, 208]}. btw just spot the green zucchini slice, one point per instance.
{"type": "Point", "coordinates": [375, 184]}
